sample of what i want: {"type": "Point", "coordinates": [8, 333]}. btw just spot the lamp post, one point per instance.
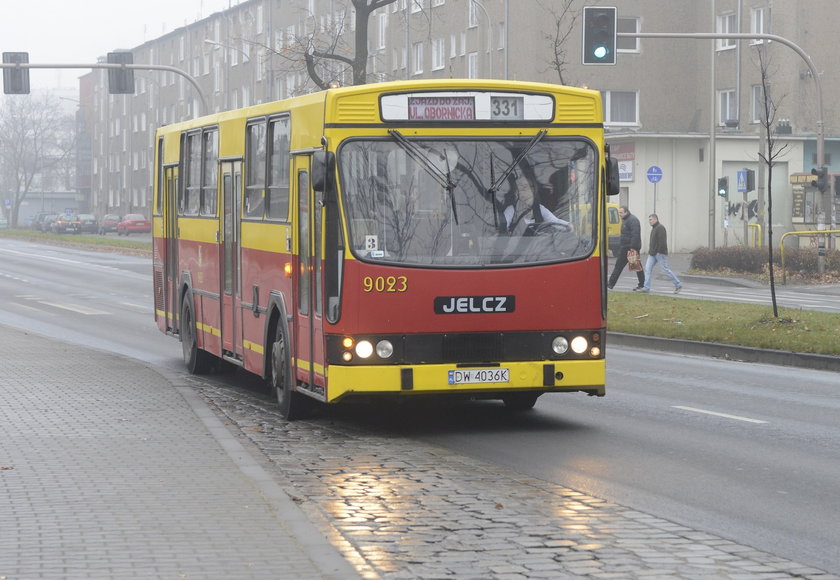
{"type": "Point", "coordinates": [226, 63]}
{"type": "Point", "coordinates": [489, 37]}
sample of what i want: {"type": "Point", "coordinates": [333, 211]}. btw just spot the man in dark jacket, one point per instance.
{"type": "Point", "coordinates": [631, 239]}
{"type": "Point", "coordinates": [658, 254]}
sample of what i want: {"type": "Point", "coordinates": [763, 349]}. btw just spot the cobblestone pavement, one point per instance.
{"type": "Point", "coordinates": [401, 509]}
{"type": "Point", "coordinates": [108, 471]}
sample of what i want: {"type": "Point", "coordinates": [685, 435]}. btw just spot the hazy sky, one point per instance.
{"type": "Point", "coordinates": [79, 31]}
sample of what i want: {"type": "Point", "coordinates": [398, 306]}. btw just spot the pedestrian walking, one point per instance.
{"type": "Point", "coordinates": [631, 239]}
{"type": "Point", "coordinates": [658, 254]}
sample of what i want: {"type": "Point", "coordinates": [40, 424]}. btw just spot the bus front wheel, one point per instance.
{"type": "Point", "coordinates": [521, 401]}
{"type": "Point", "coordinates": [292, 404]}
{"type": "Point", "coordinates": [197, 361]}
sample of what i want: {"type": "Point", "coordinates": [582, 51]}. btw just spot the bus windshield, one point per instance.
{"type": "Point", "coordinates": [469, 202]}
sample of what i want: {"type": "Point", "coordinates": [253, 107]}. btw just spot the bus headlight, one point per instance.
{"type": "Point", "coordinates": [364, 349]}
{"type": "Point", "coordinates": [384, 349]}
{"type": "Point", "coordinates": [579, 344]}
{"type": "Point", "coordinates": [560, 345]}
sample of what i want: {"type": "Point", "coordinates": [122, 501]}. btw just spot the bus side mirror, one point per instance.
{"type": "Point", "coordinates": [613, 184]}
{"type": "Point", "coordinates": [323, 166]}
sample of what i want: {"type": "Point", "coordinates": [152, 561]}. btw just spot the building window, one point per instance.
{"type": "Point", "coordinates": [472, 16]}
{"type": "Point", "coordinates": [438, 2]}
{"type": "Point", "coordinates": [472, 65]}
{"type": "Point", "coordinates": [383, 29]}
{"type": "Point", "coordinates": [438, 50]}
{"type": "Point", "coordinates": [416, 5]}
{"type": "Point", "coordinates": [621, 107]}
{"type": "Point", "coordinates": [760, 22]}
{"type": "Point", "coordinates": [418, 58]}
{"type": "Point", "coordinates": [502, 35]}
{"type": "Point", "coordinates": [728, 106]}
{"type": "Point", "coordinates": [623, 43]}
{"type": "Point", "coordinates": [727, 24]}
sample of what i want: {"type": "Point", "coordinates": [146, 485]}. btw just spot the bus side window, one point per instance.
{"type": "Point", "coordinates": [255, 164]}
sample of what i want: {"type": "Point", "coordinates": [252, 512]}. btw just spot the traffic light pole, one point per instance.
{"type": "Point", "coordinates": [160, 67]}
{"type": "Point", "coordinates": [775, 38]}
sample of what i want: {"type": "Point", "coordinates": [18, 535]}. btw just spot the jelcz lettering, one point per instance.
{"type": "Point", "coordinates": [474, 304]}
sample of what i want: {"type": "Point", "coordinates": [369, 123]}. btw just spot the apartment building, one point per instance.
{"type": "Point", "coordinates": [690, 107]}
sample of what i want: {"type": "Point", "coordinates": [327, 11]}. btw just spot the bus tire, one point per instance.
{"type": "Point", "coordinates": [293, 405]}
{"type": "Point", "coordinates": [521, 401]}
{"type": "Point", "coordinates": [196, 360]}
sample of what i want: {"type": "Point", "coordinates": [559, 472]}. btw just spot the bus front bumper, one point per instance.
{"type": "Point", "coordinates": [543, 376]}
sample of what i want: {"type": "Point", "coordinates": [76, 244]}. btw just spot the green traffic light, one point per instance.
{"type": "Point", "coordinates": [600, 52]}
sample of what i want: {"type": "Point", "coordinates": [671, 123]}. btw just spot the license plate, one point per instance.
{"type": "Point", "coordinates": [471, 376]}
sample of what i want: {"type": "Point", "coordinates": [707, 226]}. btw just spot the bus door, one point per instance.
{"type": "Point", "coordinates": [170, 236]}
{"type": "Point", "coordinates": [309, 326]}
{"type": "Point", "coordinates": [229, 259]}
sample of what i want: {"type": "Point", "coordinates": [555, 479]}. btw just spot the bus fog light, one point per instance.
{"type": "Point", "coordinates": [579, 344]}
{"type": "Point", "coordinates": [347, 356]}
{"type": "Point", "coordinates": [384, 349]}
{"type": "Point", "coordinates": [560, 345]}
{"type": "Point", "coordinates": [364, 349]}
{"type": "Point", "coordinates": [595, 351]}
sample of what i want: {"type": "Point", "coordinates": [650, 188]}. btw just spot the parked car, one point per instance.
{"type": "Point", "coordinates": [88, 223]}
{"type": "Point", "coordinates": [108, 223]}
{"type": "Point", "coordinates": [134, 223]}
{"type": "Point", "coordinates": [66, 223]}
{"type": "Point", "coordinates": [43, 221]}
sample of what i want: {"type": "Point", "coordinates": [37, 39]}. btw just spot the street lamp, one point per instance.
{"type": "Point", "coordinates": [226, 62]}
{"type": "Point", "coordinates": [489, 37]}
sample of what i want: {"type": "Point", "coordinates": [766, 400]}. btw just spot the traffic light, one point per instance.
{"type": "Point", "coordinates": [121, 80]}
{"type": "Point", "coordinates": [16, 80]}
{"type": "Point", "coordinates": [599, 29]}
{"type": "Point", "coordinates": [723, 187]}
{"type": "Point", "coordinates": [821, 182]}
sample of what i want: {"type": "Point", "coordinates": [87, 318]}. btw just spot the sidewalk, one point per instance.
{"type": "Point", "coordinates": [681, 264]}
{"type": "Point", "coordinates": [108, 470]}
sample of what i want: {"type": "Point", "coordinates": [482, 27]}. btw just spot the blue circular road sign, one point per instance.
{"type": "Point", "coordinates": [654, 173]}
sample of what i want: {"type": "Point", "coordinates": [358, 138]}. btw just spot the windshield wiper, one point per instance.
{"type": "Point", "coordinates": [444, 179]}
{"type": "Point", "coordinates": [494, 187]}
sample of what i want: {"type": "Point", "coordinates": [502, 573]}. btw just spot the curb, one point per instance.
{"type": "Point", "coordinates": [822, 362]}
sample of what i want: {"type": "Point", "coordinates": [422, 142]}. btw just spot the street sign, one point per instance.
{"type": "Point", "coordinates": [654, 174]}
{"type": "Point", "coordinates": [742, 180]}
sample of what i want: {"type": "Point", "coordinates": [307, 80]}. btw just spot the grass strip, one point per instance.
{"type": "Point", "coordinates": [751, 325]}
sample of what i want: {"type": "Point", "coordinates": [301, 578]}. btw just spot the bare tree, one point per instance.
{"type": "Point", "coordinates": [325, 55]}
{"type": "Point", "coordinates": [565, 19]}
{"type": "Point", "coordinates": [768, 156]}
{"type": "Point", "coordinates": [36, 141]}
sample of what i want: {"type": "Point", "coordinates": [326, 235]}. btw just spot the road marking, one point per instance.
{"type": "Point", "coordinates": [724, 415]}
{"type": "Point", "coordinates": [74, 308]}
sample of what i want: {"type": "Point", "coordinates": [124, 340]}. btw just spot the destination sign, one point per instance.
{"type": "Point", "coordinates": [466, 107]}
{"type": "Point", "coordinates": [441, 108]}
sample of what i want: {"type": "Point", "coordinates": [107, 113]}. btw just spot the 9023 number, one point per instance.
{"type": "Point", "coordinates": [385, 283]}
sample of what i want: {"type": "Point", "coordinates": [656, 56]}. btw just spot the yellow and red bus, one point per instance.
{"type": "Point", "coordinates": [403, 238]}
